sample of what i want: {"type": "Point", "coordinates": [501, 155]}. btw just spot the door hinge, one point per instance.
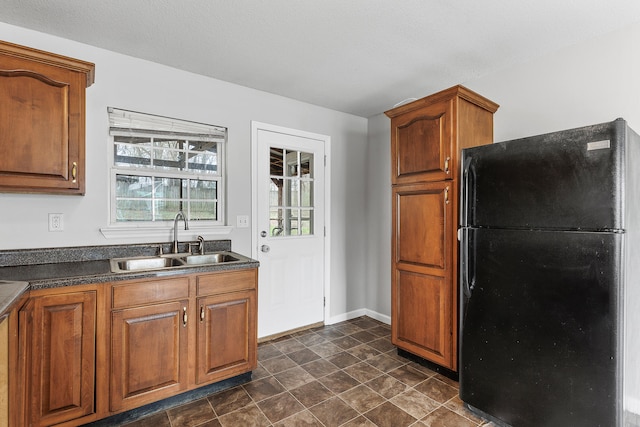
{"type": "Point", "coordinates": [325, 160]}
{"type": "Point", "coordinates": [324, 301]}
{"type": "Point", "coordinates": [325, 231]}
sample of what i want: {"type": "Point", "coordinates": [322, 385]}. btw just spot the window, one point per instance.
{"type": "Point", "coordinates": [291, 202]}
{"type": "Point", "coordinates": [163, 165]}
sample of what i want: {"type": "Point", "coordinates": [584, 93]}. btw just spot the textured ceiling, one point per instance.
{"type": "Point", "coordinates": [355, 56]}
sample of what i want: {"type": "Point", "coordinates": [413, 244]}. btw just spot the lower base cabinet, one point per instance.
{"type": "Point", "coordinates": [86, 355]}
{"type": "Point", "coordinates": [148, 354]}
{"type": "Point", "coordinates": [57, 351]}
{"type": "Point", "coordinates": [226, 342]}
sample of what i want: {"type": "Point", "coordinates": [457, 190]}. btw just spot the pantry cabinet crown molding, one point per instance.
{"type": "Point", "coordinates": [457, 91]}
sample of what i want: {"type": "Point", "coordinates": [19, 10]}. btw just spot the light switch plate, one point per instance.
{"type": "Point", "coordinates": [242, 221]}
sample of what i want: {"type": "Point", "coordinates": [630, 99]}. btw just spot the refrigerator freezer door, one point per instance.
{"type": "Point", "coordinates": [569, 180]}
{"type": "Point", "coordinates": [540, 339]}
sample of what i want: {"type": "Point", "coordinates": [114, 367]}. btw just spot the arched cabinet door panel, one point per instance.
{"type": "Point", "coordinates": [42, 121]}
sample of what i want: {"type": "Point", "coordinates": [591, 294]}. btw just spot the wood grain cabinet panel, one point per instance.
{"type": "Point", "coordinates": [148, 353]}
{"type": "Point", "coordinates": [415, 159]}
{"type": "Point", "coordinates": [427, 136]}
{"type": "Point", "coordinates": [60, 333]}
{"type": "Point", "coordinates": [423, 221]}
{"type": "Point", "coordinates": [42, 121]}
{"type": "Point", "coordinates": [226, 343]}
{"type": "Point", "coordinates": [417, 294]}
{"type": "Point", "coordinates": [88, 352]}
{"type": "Point", "coordinates": [174, 334]}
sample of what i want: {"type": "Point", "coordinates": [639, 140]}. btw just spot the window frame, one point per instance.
{"type": "Point", "coordinates": [130, 123]}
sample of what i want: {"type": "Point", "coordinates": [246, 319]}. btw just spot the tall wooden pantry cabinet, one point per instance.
{"type": "Point", "coordinates": [426, 138]}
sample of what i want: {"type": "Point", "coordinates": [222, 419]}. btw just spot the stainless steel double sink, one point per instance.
{"type": "Point", "coordinates": [162, 262]}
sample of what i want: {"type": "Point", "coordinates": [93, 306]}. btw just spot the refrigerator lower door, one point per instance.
{"type": "Point", "coordinates": [540, 330]}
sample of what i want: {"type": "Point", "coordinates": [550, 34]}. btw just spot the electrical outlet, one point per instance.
{"type": "Point", "coordinates": [242, 221]}
{"type": "Point", "coordinates": [56, 222]}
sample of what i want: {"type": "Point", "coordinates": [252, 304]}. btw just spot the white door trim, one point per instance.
{"type": "Point", "coordinates": [255, 127]}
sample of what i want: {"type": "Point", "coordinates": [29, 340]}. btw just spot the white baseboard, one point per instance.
{"type": "Point", "coordinates": [379, 317]}
{"type": "Point", "coordinates": [358, 313]}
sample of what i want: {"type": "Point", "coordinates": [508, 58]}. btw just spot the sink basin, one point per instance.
{"type": "Point", "coordinates": [160, 262]}
{"type": "Point", "coordinates": [144, 263]}
{"type": "Point", "coordinates": [210, 258]}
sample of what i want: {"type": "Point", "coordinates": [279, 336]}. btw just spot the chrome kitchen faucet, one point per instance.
{"type": "Point", "coordinates": [179, 215]}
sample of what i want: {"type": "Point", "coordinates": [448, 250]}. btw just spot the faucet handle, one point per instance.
{"type": "Point", "coordinates": [201, 245]}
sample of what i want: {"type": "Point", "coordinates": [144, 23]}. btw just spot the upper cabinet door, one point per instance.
{"type": "Point", "coordinates": [428, 134]}
{"type": "Point", "coordinates": [42, 121]}
{"type": "Point", "coordinates": [421, 144]}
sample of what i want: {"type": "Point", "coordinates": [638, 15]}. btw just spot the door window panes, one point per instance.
{"type": "Point", "coordinates": [291, 188]}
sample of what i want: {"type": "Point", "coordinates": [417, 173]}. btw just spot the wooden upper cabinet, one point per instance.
{"type": "Point", "coordinates": [427, 134]}
{"type": "Point", "coordinates": [42, 121]}
{"type": "Point", "coordinates": [422, 144]}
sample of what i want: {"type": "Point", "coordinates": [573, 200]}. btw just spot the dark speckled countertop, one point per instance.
{"type": "Point", "coordinates": [57, 267]}
{"type": "Point", "coordinates": [10, 291]}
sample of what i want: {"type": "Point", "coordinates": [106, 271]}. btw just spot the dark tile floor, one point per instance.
{"type": "Point", "coordinates": [347, 374]}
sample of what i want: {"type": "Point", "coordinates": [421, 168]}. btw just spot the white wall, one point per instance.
{"type": "Point", "coordinates": [378, 242]}
{"type": "Point", "coordinates": [138, 85]}
{"type": "Point", "coordinates": [589, 83]}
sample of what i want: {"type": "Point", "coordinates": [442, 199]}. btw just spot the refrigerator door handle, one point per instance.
{"type": "Point", "coordinates": [466, 195]}
{"type": "Point", "coordinates": [467, 260]}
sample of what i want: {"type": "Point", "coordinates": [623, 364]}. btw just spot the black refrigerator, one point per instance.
{"type": "Point", "coordinates": [550, 272]}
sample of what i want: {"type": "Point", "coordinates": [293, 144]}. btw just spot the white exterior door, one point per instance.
{"type": "Point", "coordinates": [289, 227]}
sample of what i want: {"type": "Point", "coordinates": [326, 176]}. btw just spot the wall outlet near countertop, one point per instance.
{"type": "Point", "coordinates": [56, 222]}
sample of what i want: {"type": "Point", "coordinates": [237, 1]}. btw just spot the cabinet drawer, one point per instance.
{"type": "Point", "coordinates": [144, 292]}
{"type": "Point", "coordinates": [227, 281]}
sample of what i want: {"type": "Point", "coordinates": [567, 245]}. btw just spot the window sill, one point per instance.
{"type": "Point", "coordinates": [124, 232]}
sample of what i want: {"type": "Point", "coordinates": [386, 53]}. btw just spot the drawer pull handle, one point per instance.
{"type": "Point", "coordinates": [446, 165]}
{"type": "Point", "coordinates": [184, 316]}
{"type": "Point", "coordinates": [74, 172]}
{"type": "Point", "coordinates": [202, 314]}
{"type": "Point", "coordinates": [446, 195]}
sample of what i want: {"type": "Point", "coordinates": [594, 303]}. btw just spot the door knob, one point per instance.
{"type": "Point", "coordinates": [263, 233]}
{"type": "Point", "coordinates": [265, 248]}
